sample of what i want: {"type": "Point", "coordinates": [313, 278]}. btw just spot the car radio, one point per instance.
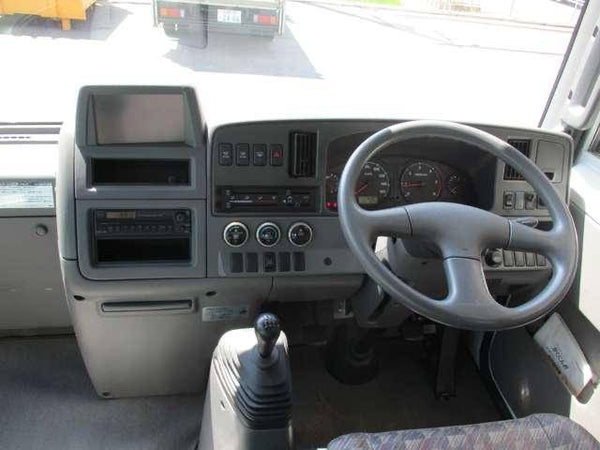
{"type": "Point", "coordinates": [142, 222]}
{"type": "Point", "coordinates": [280, 200]}
{"type": "Point", "coordinates": [141, 235]}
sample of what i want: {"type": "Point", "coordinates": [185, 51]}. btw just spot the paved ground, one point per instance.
{"type": "Point", "coordinates": [333, 60]}
{"type": "Point", "coordinates": [538, 11]}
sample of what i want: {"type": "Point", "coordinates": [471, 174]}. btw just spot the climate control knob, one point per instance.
{"type": "Point", "coordinates": [235, 234]}
{"type": "Point", "coordinates": [268, 234]}
{"type": "Point", "coordinates": [300, 234]}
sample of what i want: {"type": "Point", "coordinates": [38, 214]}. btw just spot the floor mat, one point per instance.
{"type": "Point", "coordinates": [401, 397]}
{"type": "Point", "coordinates": [47, 402]}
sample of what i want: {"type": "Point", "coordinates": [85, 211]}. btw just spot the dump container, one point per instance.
{"type": "Point", "coordinates": [64, 10]}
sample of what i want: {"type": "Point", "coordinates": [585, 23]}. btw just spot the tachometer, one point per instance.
{"type": "Point", "coordinates": [420, 182]}
{"type": "Point", "coordinates": [373, 185]}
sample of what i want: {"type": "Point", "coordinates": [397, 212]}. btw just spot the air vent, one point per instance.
{"type": "Point", "coordinates": [524, 146]}
{"type": "Point", "coordinates": [303, 154]}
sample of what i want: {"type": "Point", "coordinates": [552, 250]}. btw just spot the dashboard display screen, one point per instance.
{"type": "Point", "coordinates": [139, 118]}
{"type": "Point", "coordinates": [367, 200]}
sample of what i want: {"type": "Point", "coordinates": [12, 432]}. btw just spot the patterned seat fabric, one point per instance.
{"type": "Point", "coordinates": [539, 431]}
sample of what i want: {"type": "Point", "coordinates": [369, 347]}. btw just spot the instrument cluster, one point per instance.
{"type": "Point", "coordinates": [384, 183]}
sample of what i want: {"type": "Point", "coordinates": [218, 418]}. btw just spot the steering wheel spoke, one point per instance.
{"type": "Point", "coordinates": [466, 282]}
{"type": "Point", "coordinates": [468, 293]}
{"type": "Point", "coordinates": [524, 237]}
{"type": "Point", "coordinates": [391, 222]}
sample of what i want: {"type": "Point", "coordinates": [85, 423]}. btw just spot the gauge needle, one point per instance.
{"type": "Point", "coordinates": [362, 188]}
{"type": "Point", "coordinates": [415, 184]}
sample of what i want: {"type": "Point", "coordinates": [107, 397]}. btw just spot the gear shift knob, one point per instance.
{"type": "Point", "coordinates": [267, 330]}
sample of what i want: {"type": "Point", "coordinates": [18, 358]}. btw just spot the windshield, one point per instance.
{"type": "Point", "coordinates": [492, 61]}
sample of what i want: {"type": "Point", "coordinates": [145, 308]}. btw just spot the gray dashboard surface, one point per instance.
{"type": "Point", "coordinates": [552, 150]}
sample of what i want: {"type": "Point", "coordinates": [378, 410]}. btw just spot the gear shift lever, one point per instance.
{"type": "Point", "coordinates": [267, 331]}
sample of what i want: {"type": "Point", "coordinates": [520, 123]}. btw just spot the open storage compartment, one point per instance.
{"type": "Point", "coordinates": [152, 172]}
{"type": "Point", "coordinates": [142, 250]}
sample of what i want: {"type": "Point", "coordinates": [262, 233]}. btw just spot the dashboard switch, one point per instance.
{"type": "Point", "coordinates": [519, 259]}
{"type": "Point", "coordinates": [237, 263]}
{"type": "Point", "coordinates": [300, 234]}
{"type": "Point", "coordinates": [242, 154]}
{"type": "Point", "coordinates": [251, 262]}
{"type": "Point", "coordinates": [509, 258]}
{"type": "Point", "coordinates": [509, 200]}
{"type": "Point", "coordinates": [276, 154]}
{"type": "Point", "coordinates": [530, 200]}
{"type": "Point", "coordinates": [225, 154]}
{"type": "Point", "coordinates": [284, 262]}
{"type": "Point", "coordinates": [299, 262]}
{"type": "Point", "coordinates": [235, 234]}
{"type": "Point", "coordinates": [520, 200]}
{"type": "Point", "coordinates": [541, 260]}
{"type": "Point", "coordinates": [269, 262]}
{"type": "Point", "coordinates": [259, 154]}
{"type": "Point", "coordinates": [493, 258]}
{"type": "Point", "coordinates": [530, 259]}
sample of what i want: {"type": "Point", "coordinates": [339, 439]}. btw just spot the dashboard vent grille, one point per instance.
{"type": "Point", "coordinates": [303, 154]}
{"type": "Point", "coordinates": [524, 146]}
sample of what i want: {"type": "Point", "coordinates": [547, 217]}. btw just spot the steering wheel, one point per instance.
{"type": "Point", "coordinates": [462, 233]}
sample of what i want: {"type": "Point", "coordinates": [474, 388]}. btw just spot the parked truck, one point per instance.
{"type": "Point", "coordinates": [63, 10]}
{"type": "Point", "coordinates": [256, 17]}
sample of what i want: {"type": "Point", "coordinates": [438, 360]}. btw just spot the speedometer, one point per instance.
{"type": "Point", "coordinates": [372, 188]}
{"type": "Point", "coordinates": [420, 182]}
{"type": "Point", "coordinates": [373, 185]}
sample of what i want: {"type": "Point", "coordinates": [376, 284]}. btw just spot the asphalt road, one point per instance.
{"type": "Point", "coordinates": [332, 61]}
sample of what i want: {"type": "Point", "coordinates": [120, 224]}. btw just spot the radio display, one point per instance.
{"type": "Point", "coordinates": [139, 118]}
{"type": "Point", "coordinates": [120, 214]}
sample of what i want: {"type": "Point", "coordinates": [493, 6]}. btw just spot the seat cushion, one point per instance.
{"type": "Point", "coordinates": [538, 431]}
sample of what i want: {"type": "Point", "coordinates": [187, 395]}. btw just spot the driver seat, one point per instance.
{"type": "Point", "coordinates": [538, 431]}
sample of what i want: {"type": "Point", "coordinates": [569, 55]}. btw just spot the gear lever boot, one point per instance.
{"type": "Point", "coordinates": [248, 402]}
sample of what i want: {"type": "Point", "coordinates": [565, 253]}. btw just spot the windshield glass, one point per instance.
{"type": "Point", "coordinates": [491, 61]}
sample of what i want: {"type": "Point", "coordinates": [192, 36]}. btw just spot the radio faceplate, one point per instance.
{"type": "Point", "coordinates": [112, 223]}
